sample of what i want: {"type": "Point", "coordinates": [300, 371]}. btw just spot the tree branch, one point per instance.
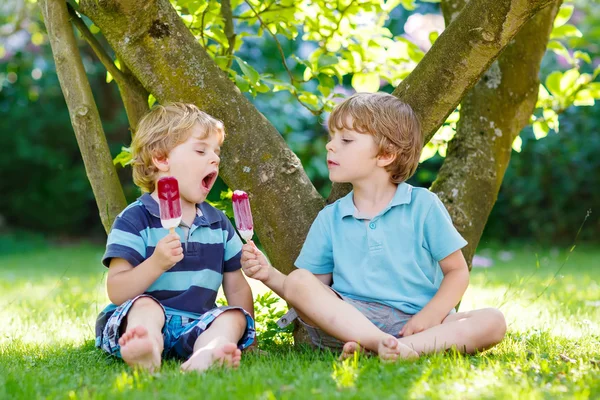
{"type": "Point", "coordinates": [462, 53]}
{"type": "Point", "coordinates": [492, 114]}
{"type": "Point", "coordinates": [89, 37]}
{"type": "Point", "coordinates": [83, 112]}
{"type": "Point", "coordinates": [227, 14]}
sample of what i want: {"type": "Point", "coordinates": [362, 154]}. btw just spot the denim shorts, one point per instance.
{"type": "Point", "coordinates": [179, 332]}
{"type": "Point", "coordinates": [388, 319]}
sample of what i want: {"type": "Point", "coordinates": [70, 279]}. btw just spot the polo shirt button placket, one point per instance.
{"type": "Point", "coordinates": [372, 225]}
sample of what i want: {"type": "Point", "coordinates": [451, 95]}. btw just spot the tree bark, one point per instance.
{"type": "Point", "coordinates": [492, 114]}
{"type": "Point", "coordinates": [83, 112]}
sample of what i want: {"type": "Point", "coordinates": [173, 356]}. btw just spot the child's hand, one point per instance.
{"type": "Point", "coordinates": [420, 322]}
{"type": "Point", "coordinates": [168, 251]}
{"type": "Point", "coordinates": [254, 262]}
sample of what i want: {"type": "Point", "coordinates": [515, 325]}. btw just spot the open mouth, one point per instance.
{"type": "Point", "coordinates": [331, 163]}
{"type": "Point", "coordinates": [208, 180]}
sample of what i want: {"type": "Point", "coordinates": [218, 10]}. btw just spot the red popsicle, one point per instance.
{"type": "Point", "coordinates": [169, 203]}
{"type": "Point", "coordinates": [242, 214]}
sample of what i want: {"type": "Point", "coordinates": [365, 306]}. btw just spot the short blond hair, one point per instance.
{"type": "Point", "coordinates": [159, 131]}
{"type": "Point", "coordinates": [393, 124]}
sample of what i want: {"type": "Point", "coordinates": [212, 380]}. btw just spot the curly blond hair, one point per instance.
{"type": "Point", "coordinates": [159, 131]}
{"type": "Point", "coordinates": [393, 124]}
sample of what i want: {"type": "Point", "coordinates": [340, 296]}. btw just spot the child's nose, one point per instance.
{"type": "Point", "coordinates": [329, 146]}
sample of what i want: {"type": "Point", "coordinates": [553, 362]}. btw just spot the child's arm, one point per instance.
{"type": "Point", "coordinates": [255, 265]}
{"type": "Point", "coordinates": [454, 285]}
{"type": "Point", "coordinates": [124, 282]}
{"type": "Point", "coordinates": [237, 291]}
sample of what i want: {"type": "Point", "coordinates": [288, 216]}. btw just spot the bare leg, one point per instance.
{"type": "Point", "coordinates": [218, 344]}
{"type": "Point", "coordinates": [469, 331]}
{"type": "Point", "coordinates": [142, 343]}
{"type": "Point", "coordinates": [317, 305]}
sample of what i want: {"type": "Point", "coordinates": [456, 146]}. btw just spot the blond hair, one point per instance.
{"type": "Point", "coordinates": [393, 124]}
{"type": "Point", "coordinates": [159, 131]}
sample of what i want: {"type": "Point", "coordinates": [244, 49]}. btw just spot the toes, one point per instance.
{"type": "Point", "coordinates": [390, 343]}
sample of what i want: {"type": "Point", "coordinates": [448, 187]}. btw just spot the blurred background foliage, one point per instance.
{"type": "Point", "coordinates": [551, 183]}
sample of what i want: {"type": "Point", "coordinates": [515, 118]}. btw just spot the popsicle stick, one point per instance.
{"type": "Point", "coordinates": [171, 230]}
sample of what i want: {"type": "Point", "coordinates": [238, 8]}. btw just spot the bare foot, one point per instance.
{"type": "Point", "coordinates": [139, 350]}
{"type": "Point", "coordinates": [390, 349]}
{"type": "Point", "coordinates": [349, 349]}
{"type": "Point", "coordinates": [227, 355]}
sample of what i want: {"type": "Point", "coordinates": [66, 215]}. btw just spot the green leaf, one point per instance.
{"type": "Point", "coordinates": [433, 36]}
{"type": "Point", "coordinates": [279, 85]}
{"type": "Point", "coordinates": [594, 89]}
{"type": "Point", "coordinates": [109, 77]}
{"type": "Point", "coordinates": [366, 82]}
{"type": "Point", "coordinates": [565, 31]}
{"type": "Point", "coordinates": [428, 151]}
{"type": "Point", "coordinates": [553, 82]}
{"type": "Point", "coordinates": [326, 84]}
{"type": "Point", "coordinates": [242, 83]}
{"type": "Point", "coordinates": [309, 99]}
{"type": "Point", "coordinates": [582, 55]}
{"type": "Point", "coordinates": [540, 129]}
{"type": "Point", "coordinates": [124, 157]}
{"type": "Point", "coordinates": [517, 144]}
{"type": "Point", "coordinates": [566, 10]}
{"type": "Point", "coordinates": [409, 5]}
{"type": "Point", "coordinates": [248, 71]}
{"type": "Point", "coordinates": [151, 100]}
{"type": "Point", "coordinates": [559, 48]}
{"type": "Point", "coordinates": [584, 98]}
{"type": "Point", "coordinates": [326, 60]}
{"type": "Point", "coordinates": [568, 80]}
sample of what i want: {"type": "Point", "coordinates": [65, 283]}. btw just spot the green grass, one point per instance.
{"type": "Point", "coordinates": [49, 299]}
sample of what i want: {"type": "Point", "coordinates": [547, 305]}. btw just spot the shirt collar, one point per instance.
{"type": "Point", "coordinates": [402, 196]}
{"type": "Point", "coordinates": [205, 213]}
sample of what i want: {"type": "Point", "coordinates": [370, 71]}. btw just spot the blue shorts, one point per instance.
{"type": "Point", "coordinates": [179, 332]}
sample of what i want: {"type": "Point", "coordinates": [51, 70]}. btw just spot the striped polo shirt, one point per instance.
{"type": "Point", "coordinates": [211, 247]}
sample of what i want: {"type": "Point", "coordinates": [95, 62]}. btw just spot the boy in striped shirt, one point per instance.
{"type": "Point", "coordinates": [163, 286]}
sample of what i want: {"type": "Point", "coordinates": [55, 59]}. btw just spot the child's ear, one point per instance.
{"type": "Point", "coordinates": [161, 163]}
{"type": "Point", "coordinates": [386, 158]}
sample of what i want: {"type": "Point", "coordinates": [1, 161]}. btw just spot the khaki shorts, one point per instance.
{"type": "Point", "coordinates": [388, 319]}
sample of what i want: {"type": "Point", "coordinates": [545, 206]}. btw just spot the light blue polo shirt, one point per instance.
{"type": "Point", "coordinates": [392, 259]}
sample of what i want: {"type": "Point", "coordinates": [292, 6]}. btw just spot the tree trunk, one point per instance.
{"type": "Point", "coordinates": [492, 114]}
{"type": "Point", "coordinates": [83, 112]}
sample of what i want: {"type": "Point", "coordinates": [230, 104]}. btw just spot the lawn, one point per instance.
{"type": "Point", "coordinates": [50, 296]}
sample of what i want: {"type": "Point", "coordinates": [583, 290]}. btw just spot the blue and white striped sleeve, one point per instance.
{"type": "Point", "coordinates": [124, 241]}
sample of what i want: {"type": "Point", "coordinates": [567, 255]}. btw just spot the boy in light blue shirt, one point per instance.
{"type": "Point", "coordinates": [381, 267]}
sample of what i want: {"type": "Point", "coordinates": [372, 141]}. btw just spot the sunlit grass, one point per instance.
{"type": "Point", "coordinates": [49, 300]}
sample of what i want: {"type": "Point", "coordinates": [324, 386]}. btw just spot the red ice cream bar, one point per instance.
{"type": "Point", "coordinates": [242, 214]}
{"type": "Point", "coordinates": [169, 202]}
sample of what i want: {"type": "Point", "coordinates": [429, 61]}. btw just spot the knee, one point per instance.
{"type": "Point", "coordinates": [145, 304]}
{"type": "Point", "coordinates": [296, 283]}
{"type": "Point", "coordinates": [495, 325]}
{"type": "Point", "coordinates": [233, 318]}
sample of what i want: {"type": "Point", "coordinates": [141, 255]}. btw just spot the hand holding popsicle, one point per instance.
{"type": "Point", "coordinates": [169, 202]}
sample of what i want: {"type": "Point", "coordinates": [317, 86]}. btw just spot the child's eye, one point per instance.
{"type": "Point", "coordinates": [200, 151]}
{"type": "Point", "coordinates": [346, 141]}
